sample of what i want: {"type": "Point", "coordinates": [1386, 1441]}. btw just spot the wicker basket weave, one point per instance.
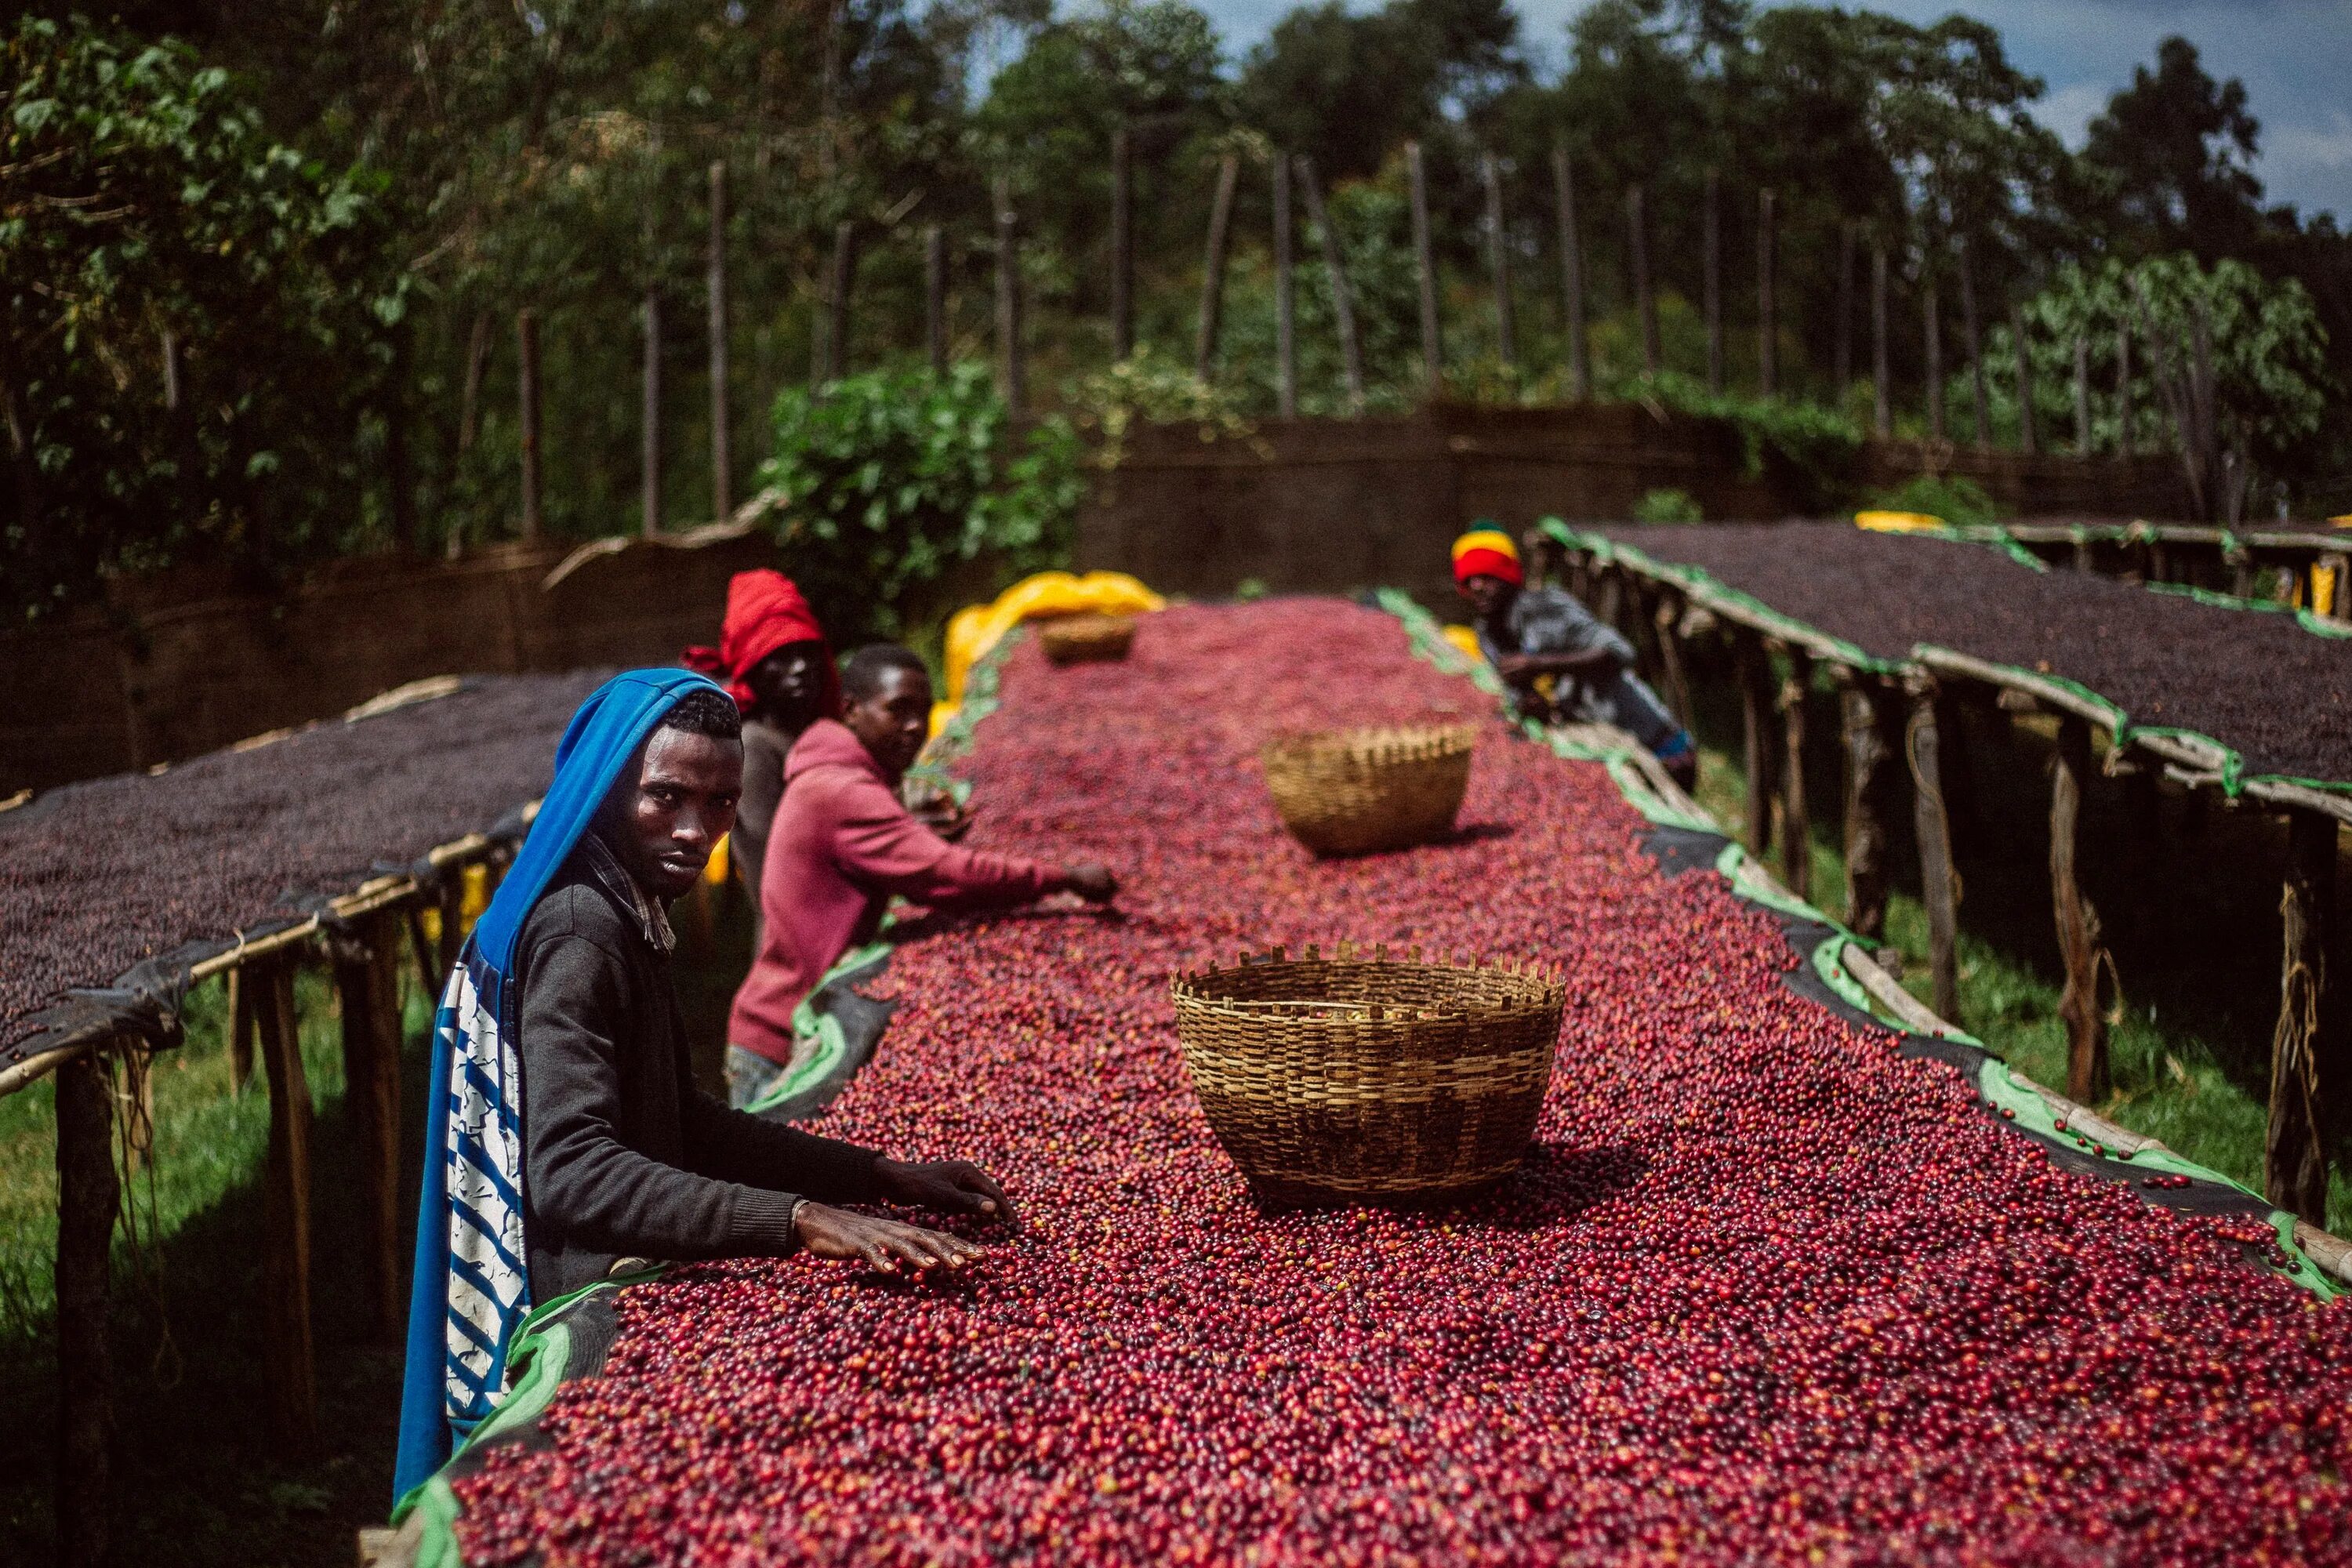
{"type": "Point", "coordinates": [1359, 1079]}
{"type": "Point", "coordinates": [1352, 791]}
{"type": "Point", "coordinates": [1076, 639]}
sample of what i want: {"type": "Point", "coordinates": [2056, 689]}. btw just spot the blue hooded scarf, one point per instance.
{"type": "Point", "coordinates": [472, 1286]}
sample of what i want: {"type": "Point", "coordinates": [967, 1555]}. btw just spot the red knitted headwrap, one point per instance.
{"type": "Point", "coordinates": [765, 611]}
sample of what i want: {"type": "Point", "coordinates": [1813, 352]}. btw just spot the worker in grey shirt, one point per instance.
{"type": "Point", "coordinates": [1528, 634]}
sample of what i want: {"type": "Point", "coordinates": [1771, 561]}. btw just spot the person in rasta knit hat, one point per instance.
{"type": "Point", "coordinates": [1527, 634]}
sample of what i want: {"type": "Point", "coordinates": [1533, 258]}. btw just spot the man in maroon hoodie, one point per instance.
{"type": "Point", "coordinates": [842, 845]}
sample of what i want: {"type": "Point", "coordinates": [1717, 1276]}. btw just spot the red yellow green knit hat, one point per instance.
{"type": "Point", "coordinates": [1487, 553]}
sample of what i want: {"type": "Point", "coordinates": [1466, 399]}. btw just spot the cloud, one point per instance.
{"type": "Point", "coordinates": [2070, 109]}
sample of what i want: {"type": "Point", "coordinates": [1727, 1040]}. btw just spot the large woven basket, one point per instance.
{"type": "Point", "coordinates": [1352, 791]}
{"type": "Point", "coordinates": [1359, 1079]}
{"type": "Point", "coordinates": [1075, 640]}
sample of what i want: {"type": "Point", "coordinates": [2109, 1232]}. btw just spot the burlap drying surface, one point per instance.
{"type": "Point", "coordinates": [2257, 682]}
{"type": "Point", "coordinates": [97, 878]}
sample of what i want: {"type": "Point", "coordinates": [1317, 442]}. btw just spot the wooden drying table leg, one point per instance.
{"type": "Point", "coordinates": [2078, 922]}
{"type": "Point", "coordinates": [90, 1195]}
{"type": "Point", "coordinates": [1796, 823]}
{"type": "Point", "coordinates": [367, 975]}
{"type": "Point", "coordinates": [287, 1359]}
{"type": "Point", "coordinates": [240, 1031]}
{"type": "Point", "coordinates": [1758, 751]}
{"type": "Point", "coordinates": [2303, 1047]}
{"type": "Point", "coordinates": [1866, 818]}
{"type": "Point", "coordinates": [1939, 883]}
{"type": "Point", "coordinates": [1667, 619]}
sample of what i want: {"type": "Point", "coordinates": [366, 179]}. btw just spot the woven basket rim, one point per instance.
{"type": "Point", "coordinates": [1544, 989]}
{"type": "Point", "coordinates": [1371, 743]}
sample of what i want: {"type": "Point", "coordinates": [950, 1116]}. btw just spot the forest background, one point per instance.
{"type": "Point", "coordinates": [262, 260]}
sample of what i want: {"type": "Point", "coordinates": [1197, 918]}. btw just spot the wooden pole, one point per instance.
{"type": "Point", "coordinates": [1882, 374]}
{"type": "Point", "coordinates": [526, 383]}
{"type": "Point", "coordinates": [2078, 922]}
{"type": "Point", "coordinates": [2081, 397]}
{"type": "Point", "coordinates": [650, 505]}
{"type": "Point", "coordinates": [1343, 302]}
{"type": "Point", "coordinates": [1012, 377]}
{"type": "Point", "coordinates": [1867, 756]}
{"type": "Point", "coordinates": [89, 1196]}
{"type": "Point", "coordinates": [722, 461]}
{"type": "Point", "coordinates": [1932, 324]}
{"type": "Point", "coordinates": [477, 364]}
{"type": "Point", "coordinates": [1939, 882]}
{"type": "Point", "coordinates": [1980, 394]}
{"type": "Point", "coordinates": [1424, 261]}
{"type": "Point", "coordinates": [240, 1012]}
{"type": "Point", "coordinates": [2026, 442]}
{"type": "Point", "coordinates": [2305, 1052]}
{"type": "Point", "coordinates": [400, 473]}
{"type": "Point", "coordinates": [1637, 258]}
{"type": "Point", "coordinates": [290, 1369]}
{"type": "Point", "coordinates": [1571, 276]}
{"type": "Point", "coordinates": [1285, 317]}
{"type": "Point", "coordinates": [2124, 403]}
{"type": "Point", "coordinates": [1760, 751]}
{"type": "Point", "coordinates": [1213, 271]}
{"type": "Point", "coordinates": [1667, 617]}
{"type": "Point", "coordinates": [1796, 821]}
{"type": "Point", "coordinates": [1711, 276]}
{"type": "Point", "coordinates": [839, 281]}
{"type": "Point", "coordinates": [1841, 338]}
{"type": "Point", "coordinates": [1498, 250]}
{"type": "Point", "coordinates": [1768, 311]}
{"type": "Point", "coordinates": [935, 296]}
{"type": "Point", "coordinates": [367, 979]}
{"type": "Point", "coordinates": [1122, 242]}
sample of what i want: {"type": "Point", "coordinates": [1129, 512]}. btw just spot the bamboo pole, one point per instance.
{"type": "Point", "coordinates": [289, 1368]}
{"type": "Point", "coordinates": [1286, 319]}
{"type": "Point", "coordinates": [1571, 276]}
{"type": "Point", "coordinates": [1424, 261]}
{"type": "Point", "coordinates": [367, 979]}
{"type": "Point", "coordinates": [1213, 271]}
{"type": "Point", "coordinates": [1939, 883]}
{"type": "Point", "coordinates": [1711, 280]}
{"type": "Point", "coordinates": [89, 1196]}
{"type": "Point", "coordinates": [2305, 1050]}
{"type": "Point", "coordinates": [1343, 303]}
{"type": "Point", "coordinates": [1637, 253]}
{"type": "Point", "coordinates": [722, 461]}
{"type": "Point", "coordinates": [1122, 241]}
{"type": "Point", "coordinates": [1882, 372]}
{"type": "Point", "coordinates": [1012, 375]}
{"type": "Point", "coordinates": [840, 280]}
{"type": "Point", "coordinates": [1796, 820]}
{"type": "Point", "coordinates": [1768, 311]}
{"type": "Point", "coordinates": [2026, 442]}
{"type": "Point", "coordinates": [527, 385]}
{"type": "Point", "coordinates": [1867, 756]}
{"type": "Point", "coordinates": [935, 296]}
{"type": "Point", "coordinates": [1498, 250]}
{"type": "Point", "coordinates": [1972, 342]}
{"type": "Point", "coordinates": [650, 505]}
{"type": "Point", "coordinates": [2087, 1078]}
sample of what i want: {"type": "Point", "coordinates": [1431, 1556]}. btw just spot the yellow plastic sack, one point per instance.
{"type": "Point", "coordinates": [976, 628]}
{"type": "Point", "coordinates": [1467, 640]}
{"type": "Point", "coordinates": [1897, 521]}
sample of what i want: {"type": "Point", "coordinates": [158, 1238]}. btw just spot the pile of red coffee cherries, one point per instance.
{"type": "Point", "coordinates": [1764, 1292]}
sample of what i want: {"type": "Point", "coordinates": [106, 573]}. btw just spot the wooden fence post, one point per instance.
{"type": "Point", "coordinates": [1498, 240]}
{"type": "Point", "coordinates": [840, 280]}
{"type": "Point", "coordinates": [2077, 919]}
{"type": "Point", "coordinates": [1768, 311]}
{"type": "Point", "coordinates": [1424, 261]}
{"type": "Point", "coordinates": [1012, 375]}
{"type": "Point", "coordinates": [89, 1196]}
{"type": "Point", "coordinates": [1796, 819]}
{"type": "Point", "coordinates": [289, 1367]}
{"type": "Point", "coordinates": [2124, 398]}
{"type": "Point", "coordinates": [1711, 276]}
{"type": "Point", "coordinates": [1122, 242]}
{"type": "Point", "coordinates": [651, 502]}
{"type": "Point", "coordinates": [1932, 323]}
{"type": "Point", "coordinates": [469, 397]}
{"type": "Point", "coordinates": [935, 296]}
{"type": "Point", "coordinates": [1882, 372]}
{"type": "Point", "coordinates": [1842, 338]}
{"type": "Point", "coordinates": [400, 473]}
{"type": "Point", "coordinates": [1760, 749]}
{"type": "Point", "coordinates": [1637, 253]}
{"type": "Point", "coordinates": [1343, 303]}
{"type": "Point", "coordinates": [722, 462]}
{"type": "Point", "coordinates": [1571, 276]}
{"type": "Point", "coordinates": [2304, 1053]}
{"type": "Point", "coordinates": [527, 398]}
{"type": "Point", "coordinates": [1980, 395]}
{"type": "Point", "coordinates": [1213, 271]}
{"type": "Point", "coordinates": [1286, 315]}
{"type": "Point", "coordinates": [1939, 882]}
{"type": "Point", "coordinates": [2081, 397]}
{"type": "Point", "coordinates": [2025, 437]}
{"type": "Point", "coordinates": [367, 979]}
{"type": "Point", "coordinates": [1867, 756]}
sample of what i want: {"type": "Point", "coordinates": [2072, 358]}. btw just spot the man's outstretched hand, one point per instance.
{"type": "Point", "coordinates": [1091, 881]}
{"type": "Point", "coordinates": [952, 1186]}
{"type": "Point", "coordinates": [885, 1243]}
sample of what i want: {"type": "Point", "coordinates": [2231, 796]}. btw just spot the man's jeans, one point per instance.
{"type": "Point", "coordinates": [749, 1075]}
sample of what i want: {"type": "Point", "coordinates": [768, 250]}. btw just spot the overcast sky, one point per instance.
{"type": "Point", "coordinates": [2294, 57]}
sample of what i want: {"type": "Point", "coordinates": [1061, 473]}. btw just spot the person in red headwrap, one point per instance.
{"type": "Point", "coordinates": [773, 657]}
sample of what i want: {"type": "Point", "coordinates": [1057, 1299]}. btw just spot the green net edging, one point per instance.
{"type": "Point", "coordinates": [2002, 1088]}
{"type": "Point", "coordinates": [2316, 625]}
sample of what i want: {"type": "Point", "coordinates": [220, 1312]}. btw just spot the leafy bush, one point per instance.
{"type": "Point", "coordinates": [1957, 500]}
{"type": "Point", "coordinates": [1815, 447]}
{"type": "Point", "coordinates": [900, 494]}
{"type": "Point", "coordinates": [1667, 506]}
{"type": "Point", "coordinates": [1151, 387]}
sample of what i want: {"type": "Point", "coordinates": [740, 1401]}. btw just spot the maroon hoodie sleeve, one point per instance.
{"type": "Point", "coordinates": [879, 843]}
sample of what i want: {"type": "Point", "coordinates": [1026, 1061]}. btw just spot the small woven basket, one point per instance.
{"type": "Point", "coordinates": [1363, 1080]}
{"type": "Point", "coordinates": [1353, 792]}
{"type": "Point", "coordinates": [1077, 639]}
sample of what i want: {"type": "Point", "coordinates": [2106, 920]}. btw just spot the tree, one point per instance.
{"type": "Point", "coordinates": [2174, 153]}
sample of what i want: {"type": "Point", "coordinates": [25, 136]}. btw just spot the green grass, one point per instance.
{"type": "Point", "coordinates": [2189, 902]}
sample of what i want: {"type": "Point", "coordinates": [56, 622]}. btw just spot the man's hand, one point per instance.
{"type": "Point", "coordinates": [1091, 882]}
{"type": "Point", "coordinates": [1516, 666]}
{"type": "Point", "coordinates": [955, 1187]}
{"type": "Point", "coordinates": [885, 1243]}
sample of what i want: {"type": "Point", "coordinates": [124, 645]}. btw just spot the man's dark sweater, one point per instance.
{"type": "Point", "coordinates": [624, 1156]}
